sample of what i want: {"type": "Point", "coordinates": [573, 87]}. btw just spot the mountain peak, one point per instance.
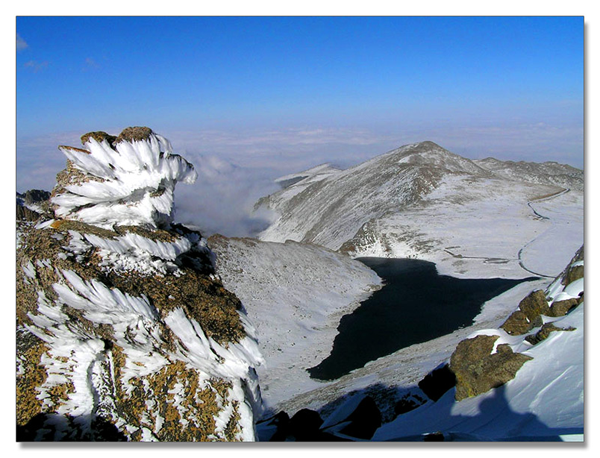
{"type": "Point", "coordinates": [428, 144]}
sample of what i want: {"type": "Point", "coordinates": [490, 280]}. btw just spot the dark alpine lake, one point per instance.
{"type": "Point", "coordinates": [415, 305]}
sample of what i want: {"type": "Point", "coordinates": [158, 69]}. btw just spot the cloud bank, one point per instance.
{"type": "Point", "coordinates": [237, 167]}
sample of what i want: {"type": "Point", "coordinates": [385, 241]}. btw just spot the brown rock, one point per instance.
{"type": "Point", "coordinates": [544, 332]}
{"type": "Point", "coordinates": [517, 324]}
{"type": "Point", "coordinates": [534, 305]}
{"type": "Point", "coordinates": [99, 136]}
{"type": "Point", "coordinates": [561, 308]}
{"type": "Point", "coordinates": [131, 134]}
{"type": "Point", "coordinates": [25, 214]}
{"type": "Point", "coordinates": [573, 273]}
{"type": "Point", "coordinates": [528, 315]}
{"type": "Point", "coordinates": [478, 371]}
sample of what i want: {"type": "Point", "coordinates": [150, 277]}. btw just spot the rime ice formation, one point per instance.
{"type": "Point", "coordinates": [123, 330]}
{"type": "Point", "coordinates": [127, 180]}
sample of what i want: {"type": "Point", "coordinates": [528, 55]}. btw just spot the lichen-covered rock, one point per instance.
{"type": "Point", "coordinates": [534, 305]}
{"type": "Point", "coordinates": [561, 308]}
{"type": "Point", "coordinates": [525, 318]}
{"type": "Point", "coordinates": [478, 369]}
{"type": "Point", "coordinates": [124, 332]}
{"type": "Point", "coordinates": [575, 270]}
{"type": "Point", "coordinates": [517, 323]}
{"type": "Point", "coordinates": [544, 332]}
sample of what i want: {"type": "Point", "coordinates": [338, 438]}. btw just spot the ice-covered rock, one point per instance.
{"type": "Point", "coordinates": [123, 330]}
{"type": "Point", "coordinates": [124, 180]}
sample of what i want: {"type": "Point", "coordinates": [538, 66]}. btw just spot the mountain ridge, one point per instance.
{"type": "Point", "coordinates": [342, 208]}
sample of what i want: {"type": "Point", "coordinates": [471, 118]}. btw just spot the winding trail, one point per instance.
{"type": "Point", "coordinates": [520, 254]}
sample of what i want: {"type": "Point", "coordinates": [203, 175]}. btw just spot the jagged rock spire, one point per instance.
{"type": "Point", "coordinates": [125, 180]}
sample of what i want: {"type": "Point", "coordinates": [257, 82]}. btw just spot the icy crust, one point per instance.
{"type": "Point", "coordinates": [133, 252]}
{"type": "Point", "coordinates": [127, 334]}
{"type": "Point", "coordinates": [129, 182]}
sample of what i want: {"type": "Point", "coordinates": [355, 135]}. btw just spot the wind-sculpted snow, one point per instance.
{"type": "Point", "coordinates": [124, 332]}
{"type": "Point", "coordinates": [127, 182]}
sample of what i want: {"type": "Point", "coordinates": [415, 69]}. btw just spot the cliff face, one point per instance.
{"type": "Point", "coordinates": [123, 330]}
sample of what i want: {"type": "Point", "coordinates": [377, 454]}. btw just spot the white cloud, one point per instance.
{"type": "Point", "coordinates": [21, 44]}
{"type": "Point", "coordinates": [223, 197]}
{"type": "Point", "coordinates": [36, 66]}
{"type": "Point", "coordinates": [90, 64]}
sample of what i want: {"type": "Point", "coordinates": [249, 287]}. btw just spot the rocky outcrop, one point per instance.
{"type": "Point", "coordinates": [123, 330]}
{"type": "Point", "coordinates": [561, 308]}
{"type": "Point", "coordinates": [364, 421]}
{"type": "Point", "coordinates": [528, 314]}
{"type": "Point", "coordinates": [544, 332]}
{"type": "Point", "coordinates": [478, 368]}
{"type": "Point", "coordinates": [307, 425]}
{"type": "Point", "coordinates": [539, 303]}
{"type": "Point", "coordinates": [32, 204]}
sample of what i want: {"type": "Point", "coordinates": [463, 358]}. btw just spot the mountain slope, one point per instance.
{"type": "Point", "coordinates": [294, 294]}
{"type": "Point", "coordinates": [330, 211]}
{"type": "Point", "coordinates": [423, 201]}
{"type": "Point", "coordinates": [533, 172]}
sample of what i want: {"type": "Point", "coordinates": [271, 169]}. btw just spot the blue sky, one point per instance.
{"type": "Point", "coordinates": [276, 95]}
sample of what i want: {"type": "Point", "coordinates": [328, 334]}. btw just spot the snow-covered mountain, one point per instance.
{"type": "Point", "coordinates": [561, 175]}
{"type": "Point", "coordinates": [123, 330]}
{"type": "Point", "coordinates": [423, 201]}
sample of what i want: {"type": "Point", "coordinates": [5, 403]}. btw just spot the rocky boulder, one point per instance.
{"type": "Point", "coordinates": [544, 332]}
{"type": "Point", "coordinates": [561, 308]}
{"type": "Point", "coordinates": [527, 316]}
{"type": "Point", "coordinates": [364, 421]}
{"type": "Point", "coordinates": [478, 368]}
{"type": "Point", "coordinates": [438, 382]}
